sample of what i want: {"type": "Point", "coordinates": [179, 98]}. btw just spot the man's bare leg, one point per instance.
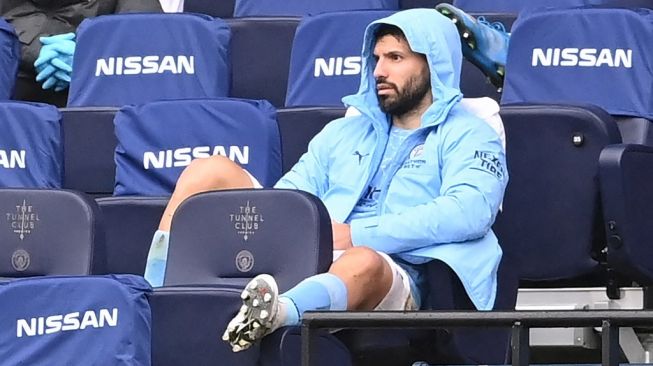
{"type": "Point", "coordinates": [202, 175]}
{"type": "Point", "coordinates": [358, 280]}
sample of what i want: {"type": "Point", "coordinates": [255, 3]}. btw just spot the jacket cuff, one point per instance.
{"type": "Point", "coordinates": [363, 231]}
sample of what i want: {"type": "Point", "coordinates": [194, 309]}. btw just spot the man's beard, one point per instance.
{"type": "Point", "coordinates": [403, 102]}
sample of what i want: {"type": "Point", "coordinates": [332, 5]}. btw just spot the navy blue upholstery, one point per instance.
{"type": "Point", "coordinates": [187, 326]}
{"type": "Point", "coordinates": [129, 223]}
{"type": "Point", "coordinates": [157, 140]}
{"type": "Point", "coordinates": [297, 126]}
{"type": "Point", "coordinates": [551, 211]}
{"type": "Point", "coordinates": [325, 63]}
{"type": "Point", "coordinates": [218, 9]}
{"type": "Point", "coordinates": [184, 56]}
{"type": "Point", "coordinates": [75, 320]}
{"type": "Point", "coordinates": [244, 8]}
{"type": "Point", "coordinates": [626, 176]}
{"type": "Point", "coordinates": [260, 57]}
{"type": "Point", "coordinates": [410, 4]}
{"type": "Point", "coordinates": [49, 232]}
{"type": "Point", "coordinates": [89, 144]}
{"type": "Point", "coordinates": [31, 150]}
{"type": "Point", "coordinates": [250, 232]}
{"type": "Point", "coordinates": [9, 59]}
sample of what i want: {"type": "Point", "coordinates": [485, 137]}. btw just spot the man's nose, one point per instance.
{"type": "Point", "coordinates": [379, 70]}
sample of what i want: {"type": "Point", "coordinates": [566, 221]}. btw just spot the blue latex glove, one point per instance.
{"type": "Point", "coordinates": [54, 64]}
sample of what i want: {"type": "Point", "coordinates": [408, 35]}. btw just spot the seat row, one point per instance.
{"type": "Point", "coordinates": [577, 206]}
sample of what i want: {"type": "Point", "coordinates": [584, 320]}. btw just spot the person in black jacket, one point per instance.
{"type": "Point", "coordinates": [46, 32]}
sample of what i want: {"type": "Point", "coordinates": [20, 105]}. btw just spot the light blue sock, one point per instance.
{"type": "Point", "coordinates": [320, 292]}
{"type": "Point", "coordinates": [155, 269]}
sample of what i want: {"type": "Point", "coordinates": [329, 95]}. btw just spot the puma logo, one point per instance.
{"type": "Point", "coordinates": [360, 156]}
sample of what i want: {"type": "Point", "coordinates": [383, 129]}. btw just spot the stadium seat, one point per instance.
{"type": "Point", "coordinates": [411, 4]}
{"type": "Point", "coordinates": [87, 320]}
{"type": "Point", "coordinates": [89, 144]}
{"type": "Point", "coordinates": [31, 150]}
{"type": "Point", "coordinates": [129, 223]}
{"type": "Point", "coordinates": [218, 9]}
{"type": "Point", "coordinates": [325, 62]}
{"type": "Point", "coordinates": [9, 59]}
{"type": "Point", "coordinates": [49, 232]}
{"type": "Point", "coordinates": [184, 56]}
{"type": "Point", "coordinates": [157, 140]}
{"type": "Point", "coordinates": [260, 57]}
{"type": "Point", "coordinates": [246, 8]}
{"type": "Point", "coordinates": [297, 126]}
{"type": "Point", "coordinates": [592, 56]}
{"type": "Point", "coordinates": [517, 6]}
{"type": "Point", "coordinates": [251, 232]}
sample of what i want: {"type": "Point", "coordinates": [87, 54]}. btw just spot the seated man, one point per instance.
{"type": "Point", "coordinates": [414, 177]}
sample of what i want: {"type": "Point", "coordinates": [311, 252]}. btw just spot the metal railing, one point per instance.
{"type": "Point", "coordinates": [521, 321]}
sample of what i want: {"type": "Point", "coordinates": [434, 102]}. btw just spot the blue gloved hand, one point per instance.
{"type": "Point", "coordinates": [54, 64]}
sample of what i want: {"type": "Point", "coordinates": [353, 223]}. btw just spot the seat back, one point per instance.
{"type": "Point", "coordinates": [84, 320]}
{"type": "Point", "coordinates": [184, 56]}
{"type": "Point", "coordinates": [325, 63]}
{"type": "Point", "coordinates": [157, 140]}
{"type": "Point", "coordinates": [218, 9]}
{"type": "Point", "coordinates": [551, 211]}
{"type": "Point", "coordinates": [9, 59]}
{"type": "Point", "coordinates": [49, 232]}
{"type": "Point", "coordinates": [127, 244]}
{"type": "Point", "coordinates": [89, 144]}
{"type": "Point", "coordinates": [250, 232]}
{"type": "Point", "coordinates": [260, 57]}
{"type": "Point", "coordinates": [297, 126]}
{"type": "Point", "coordinates": [244, 8]}
{"type": "Point", "coordinates": [31, 150]}
{"type": "Point", "coordinates": [590, 53]}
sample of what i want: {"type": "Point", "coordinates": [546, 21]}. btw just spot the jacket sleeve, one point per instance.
{"type": "Point", "coordinates": [474, 177]}
{"type": "Point", "coordinates": [309, 174]}
{"type": "Point", "coordinates": [136, 6]}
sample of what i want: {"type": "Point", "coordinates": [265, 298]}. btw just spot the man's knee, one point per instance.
{"type": "Point", "coordinates": [210, 173]}
{"type": "Point", "coordinates": [362, 260]}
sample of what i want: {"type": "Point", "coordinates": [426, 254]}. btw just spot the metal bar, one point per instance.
{"type": "Point", "coordinates": [610, 350]}
{"type": "Point", "coordinates": [432, 319]}
{"type": "Point", "coordinates": [520, 345]}
{"type": "Point", "coordinates": [306, 343]}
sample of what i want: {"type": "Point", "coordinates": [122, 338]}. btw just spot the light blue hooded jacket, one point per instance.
{"type": "Point", "coordinates": [442, 193]}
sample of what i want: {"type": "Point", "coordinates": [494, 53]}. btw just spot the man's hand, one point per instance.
{"type": "Point", "coordinates": [341, 236]}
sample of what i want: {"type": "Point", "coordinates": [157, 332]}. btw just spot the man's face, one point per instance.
{"type": "Point", "coordinates": [402, 76]}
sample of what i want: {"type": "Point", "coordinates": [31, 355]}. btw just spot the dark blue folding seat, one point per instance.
{"type": "Point", "coordinates": [250, 232]}
{"type": "Point", "coordinates": [157, 140]}
{"type": "Point", "coordinates": [31, 150]}
{"type": "Point", "coordinates": [245, 8]}
{"type": "Point", "coordinates": [260, 57]}
{"type": "Point", "coordinates": [129, 223]}
{"type": "Point", "coordinates": [70, 320]}
{"type": "Point", "coordinates": [411, 4]}
{"type": "Point", "coordinates": [9, 59]}
{"type": "Point", "coordinates": [325, 63]}
{"type": "Point", "coordinates": [625, 176]}
{"type": "Point", "coordinates": [218, 9]}
{"type": "Point", "coordinates": [49, 232]}
{"type": "Point", "coordinates": [184, 56]}
{"type": "Point", "coordinates": [297, 126]}
{"type": "Point", "coordinates": [551, 211]}
{"type": "Point", "coordinates": [517, 6]}
{"type": "Point", "coordinates": [89, 144]}
{"type": "Point", "coordinates": [586, 58]}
